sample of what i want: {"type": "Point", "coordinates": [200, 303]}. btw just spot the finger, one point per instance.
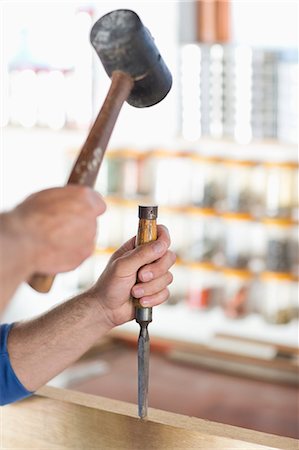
{"type": "Point", "coordinates": [91, 199]}
{"type": "Point", "coordinates": [158, 268]}
{"type": "Point", "coordinates": [152, 287]}
{"type": "Point", "coordinates": [125, 248]}
{"type": "Point", "coordinates": [83, 196]}
{"type": "Point", "coordinates": [163, 233]}
{"type": "Point", "coordinates": [130, 263]}
{"type": "Point", "coordinates": [156, 299]}
{"type": "Point", "coordinates": [98, 202]}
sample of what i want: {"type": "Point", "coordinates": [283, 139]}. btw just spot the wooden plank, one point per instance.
{"type": "Point", "coordinates": [224, 365]}
{"type": "Point", "coordinates": [282, 348]}
{"type": "Point", "coordinates": [169, 346]}
{"type": "Point", "coordinates": [59, 419]}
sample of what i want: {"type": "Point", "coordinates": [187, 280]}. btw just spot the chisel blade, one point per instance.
{"type": "Point", "coordinates": [143, 370]}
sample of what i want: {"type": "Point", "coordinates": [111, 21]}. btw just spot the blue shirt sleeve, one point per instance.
{"type": "Point", "coordinates": [11, 389]}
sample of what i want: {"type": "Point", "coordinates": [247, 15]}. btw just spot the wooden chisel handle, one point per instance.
{"type": "Point", "coordinates": [147, 232]}
{"type": "Point", "coordinates": [89, 161]}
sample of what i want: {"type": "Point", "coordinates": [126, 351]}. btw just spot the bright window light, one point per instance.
{"type": "Point", "coordinates": [243, 77]}
{"type": "Point", "coordinates": [190, 82]}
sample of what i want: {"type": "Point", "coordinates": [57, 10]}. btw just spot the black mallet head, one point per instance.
{"type": "Point", "coordinates": [124, 44]}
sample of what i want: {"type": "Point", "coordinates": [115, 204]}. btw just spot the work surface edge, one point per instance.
{"type": "Point", "coordinates": [69, 406]}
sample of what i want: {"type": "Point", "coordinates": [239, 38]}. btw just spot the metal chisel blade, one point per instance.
{"type": "Point", "coordinates": [143, 370]}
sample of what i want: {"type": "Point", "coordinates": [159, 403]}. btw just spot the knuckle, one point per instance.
{"type": "Point", "coordinates": [173, 256]}
{"type": "Point", "coordinates": [94, 234]}
{"type": "Point", "coordinates": [165, 234]}
{"type": "Point", "coordinates": [170, 256]}
{"type": "Point", "coordinates": [91, 230]}
{"type": "Point", "coordinates": [162, 296]}
{"type": "Point", "coordinates": [118, 265]}
{"type": "Point", "coordinates": [79, 192]}
{"type": "Point", "coordinates": [166, 294]}
{"type": "Point", "coordinates": [85, 191]}
{"type": "Point", "coordinates": [85, 249]}
{"type": "Point", "coordinates": [85, 197]}
{"type": "Point", "coordinates": [169, 278]}
{"type": "Point", "coordinates": [142, 253]}
{"type": "Point", "coordinates": [101, 206]}
{"type": "Point", "coordinates": [90, 248]}
{"type": "Point", "coordinates": [84, 253]}
{"type": "Point", "coordinates": [75, 259]}
{"type": "Point", "coordinates": [98, 200]}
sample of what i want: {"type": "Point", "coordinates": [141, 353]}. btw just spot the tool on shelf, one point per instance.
{"type": "Point", "coordinates": [147, 232]}
{"type": "Point", "coordinates": [138, 76]}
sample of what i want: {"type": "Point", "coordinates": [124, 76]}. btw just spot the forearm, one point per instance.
{"type": "Point", "coordinates": [16, 258]}
{"type": "Point", "coordinates": [41, 348]}
{"type": "Point", "coordinates": [52, 231]}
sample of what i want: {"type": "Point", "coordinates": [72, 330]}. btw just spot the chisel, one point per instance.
{"type": "Point", "coordinates": [147, 232]}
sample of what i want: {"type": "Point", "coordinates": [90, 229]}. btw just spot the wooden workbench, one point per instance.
{"type": "Point", "coordinates": [61, 419]}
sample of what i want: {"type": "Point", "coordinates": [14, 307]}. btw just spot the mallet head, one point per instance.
{"type": "Point", "coordinates": [123, 43]}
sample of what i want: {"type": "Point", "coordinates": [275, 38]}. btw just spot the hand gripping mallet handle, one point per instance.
{"type": "Point", "coordinates": [89, 161]}
{"type": "Point", "coordinates": [139, 76]}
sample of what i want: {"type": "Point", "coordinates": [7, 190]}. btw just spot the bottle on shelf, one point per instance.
{"type": "Point", "coordinates": [278, 293]}
{"type": "Point", "coordinates": [239, 181]}
{"type": "Point", "coordinates": [279, 253]}
{"type": "Point", "coordinates": [281, 192]}
{"type": "Point", "coordinates": [295, 250]}
{"type": "Point", "coordinates": [204, 288]}
{"type": "Point", "coordinates": [208, 178]}
{"type": "Point", "coordinates": [179, 287]}
{"type": "Point", "coordinates": [238, 293]}
{"type": "Point", "coordinates": [205, 237]}
{"type": "Point", "coordinates": [122, 173]}
{"type": "Point", "coordinates": [177, 224]}
{"type": "Point", "coordinates": [238, 249]}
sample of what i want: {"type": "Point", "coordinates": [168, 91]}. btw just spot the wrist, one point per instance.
{"type": "Point", "coordinates": [15, 245]}
{"type": "Point", "coordinates": [99, 314]}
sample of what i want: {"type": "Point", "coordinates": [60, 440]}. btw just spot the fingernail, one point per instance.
{"type": "Point", "coordinates": [146, 276]}
{"type": "Point", "coordinates": [158, 247]}
{"type": "Point", "coordinates": [145, 302]}
{"type": "Point", "coordinates": [138, 292]}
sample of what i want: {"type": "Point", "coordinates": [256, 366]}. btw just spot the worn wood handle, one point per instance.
{"type": "Point", "coordinates": [147, 232]}
{"type": "Point", "coordinates": [88, 163]}
{"type": "Point", "coordinates": [41, 283]}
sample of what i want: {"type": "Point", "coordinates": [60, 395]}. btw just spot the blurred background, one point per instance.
{"type": "Point", "coordinates": [219, 156]}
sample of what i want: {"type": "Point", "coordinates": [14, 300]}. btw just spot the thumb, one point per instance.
{"type": "Point", "coordinates": [125, 248]}
{"type": "Point", "coordinates": [130, 263]}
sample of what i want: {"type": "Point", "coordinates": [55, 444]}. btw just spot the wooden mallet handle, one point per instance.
{"type": "Point", "coordinates": [89, 161]}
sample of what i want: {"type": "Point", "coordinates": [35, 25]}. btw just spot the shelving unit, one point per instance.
{"type": "Point", "coordinates": [189, 315]}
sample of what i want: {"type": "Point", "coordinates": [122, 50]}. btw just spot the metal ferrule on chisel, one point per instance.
{"type": "Point", "coordinates": [143, 315]}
